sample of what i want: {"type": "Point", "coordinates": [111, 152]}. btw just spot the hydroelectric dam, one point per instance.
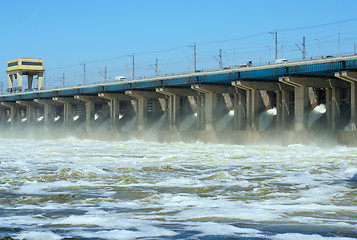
{"type": "Point", "coordinates": [283, 103]}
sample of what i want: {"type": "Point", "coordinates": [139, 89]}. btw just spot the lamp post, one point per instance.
{"type": "Point", "coordinates": [319, 47]}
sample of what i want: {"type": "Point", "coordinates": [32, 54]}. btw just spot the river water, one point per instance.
{"type": "Point", "coordinates": [87, 189]}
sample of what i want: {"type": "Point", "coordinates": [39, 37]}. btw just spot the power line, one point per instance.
{"type": "Point", "coordinates": [209, 42]}
{"type": "Point", "coordinates": [233, 39]}
{"type": "Point", "coordinates": [316, 26]}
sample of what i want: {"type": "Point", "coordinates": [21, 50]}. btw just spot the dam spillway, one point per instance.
{"type": "Point", "coordinates": [271, 103]}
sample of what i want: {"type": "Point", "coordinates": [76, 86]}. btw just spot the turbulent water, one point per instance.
{"type": "Point", "coordinates": [87, 189]}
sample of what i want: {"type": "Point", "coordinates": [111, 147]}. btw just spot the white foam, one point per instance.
{"type": "Point", "coordinates": [294, 236]}
{"type": "Point", "coordinates": [272, 111]}
{"type": "Point", "coordinates": [320, 108]}
{"type": "Point", "coordinates": [122, 234]}
{"type": "Point", "coordinates": [36, 235]}
{"type": "Point", "coordinates": [83, 220]}
{"type": "Point", "coordinates": [220, 229]}
{"type": "Point", "coordinates": [139, 182]}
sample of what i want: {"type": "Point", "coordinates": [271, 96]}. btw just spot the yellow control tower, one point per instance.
{"type": "Point", "coordinates": [24, 66]}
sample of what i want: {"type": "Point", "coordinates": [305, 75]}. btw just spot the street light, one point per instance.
{"type": "Point", "coordinates": [319, 47]}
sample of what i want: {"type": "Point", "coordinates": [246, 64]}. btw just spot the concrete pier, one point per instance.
{"type": "Point", "coordinates": [68, 110]}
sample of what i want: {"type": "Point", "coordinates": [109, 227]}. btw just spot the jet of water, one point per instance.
{"type": "Point", "coordinates": [129, 125]}
{"type": "Point", "coordinates": [158, 124]}
{"type": "Point", "coordinates": [188, 122]}
{"type": "Point", "coordinates": [223, 122]}
{"type": "Point", "coordinates": [315, 114]}
{"type": "Point", "coordinates": [266, 117]}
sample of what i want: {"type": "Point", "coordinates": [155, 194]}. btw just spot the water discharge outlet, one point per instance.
{"type": "Point", "coordinates": [266, 117]}
{"type": "Point", "coordinates": [315, 114]}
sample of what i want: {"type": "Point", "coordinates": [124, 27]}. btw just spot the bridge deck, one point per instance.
{"type": "Point", "coordinates": [320, 68]}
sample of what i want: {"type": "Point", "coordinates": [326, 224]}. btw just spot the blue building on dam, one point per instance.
{"type": "Point", "coordinates": [286, 102]}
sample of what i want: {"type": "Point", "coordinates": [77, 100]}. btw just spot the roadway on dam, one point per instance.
{"type": "Point", "coordinates": [325, 68]}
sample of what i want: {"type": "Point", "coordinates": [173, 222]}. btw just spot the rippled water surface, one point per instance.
{"type": "Point", "coordinates": [87, 189]}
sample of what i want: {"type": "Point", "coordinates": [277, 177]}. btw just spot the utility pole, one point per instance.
{"type": "Point", "coordinates": [194, 56]}
{"type": "Point", "coordinates": [220, 59]}
{"type": "Point", "coordinates": [234, 54]}
{"type": "Point", "coordinates": [105, 74]}
{"type": "Point", "coordinates": [303, 49]}
{"type": "Point", "coordinates": [84, 73]}
{"type": "Point", "coordinates": [133, 74]}
{"type": "Point", "coordinates": [75, 78]}
{"type": "Point", "coordinates": [269, 53]}
{"type": "Point", "coordinates": [64, 81]}
{"type": "Point", "coordinates": [276, 43]}
{"type": "Point", "coordinates": [227, 62]}
{"type": "Point", "coordinates": [282, 49]}
{"type": "Point", "coordinates": [339, 42]}
{"type": "Point", "coordinates": [189, 65]}
{"type": "Point", "coordinates": [319, 47]}
{"type": "Point", "coordinates": [157, 67]}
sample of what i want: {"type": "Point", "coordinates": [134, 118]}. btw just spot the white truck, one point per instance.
{"type": "Point", "coordinates": [120, 78]}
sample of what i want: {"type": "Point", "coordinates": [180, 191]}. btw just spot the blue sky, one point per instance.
{"type": "Point", "coordinates": [104, 33]}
